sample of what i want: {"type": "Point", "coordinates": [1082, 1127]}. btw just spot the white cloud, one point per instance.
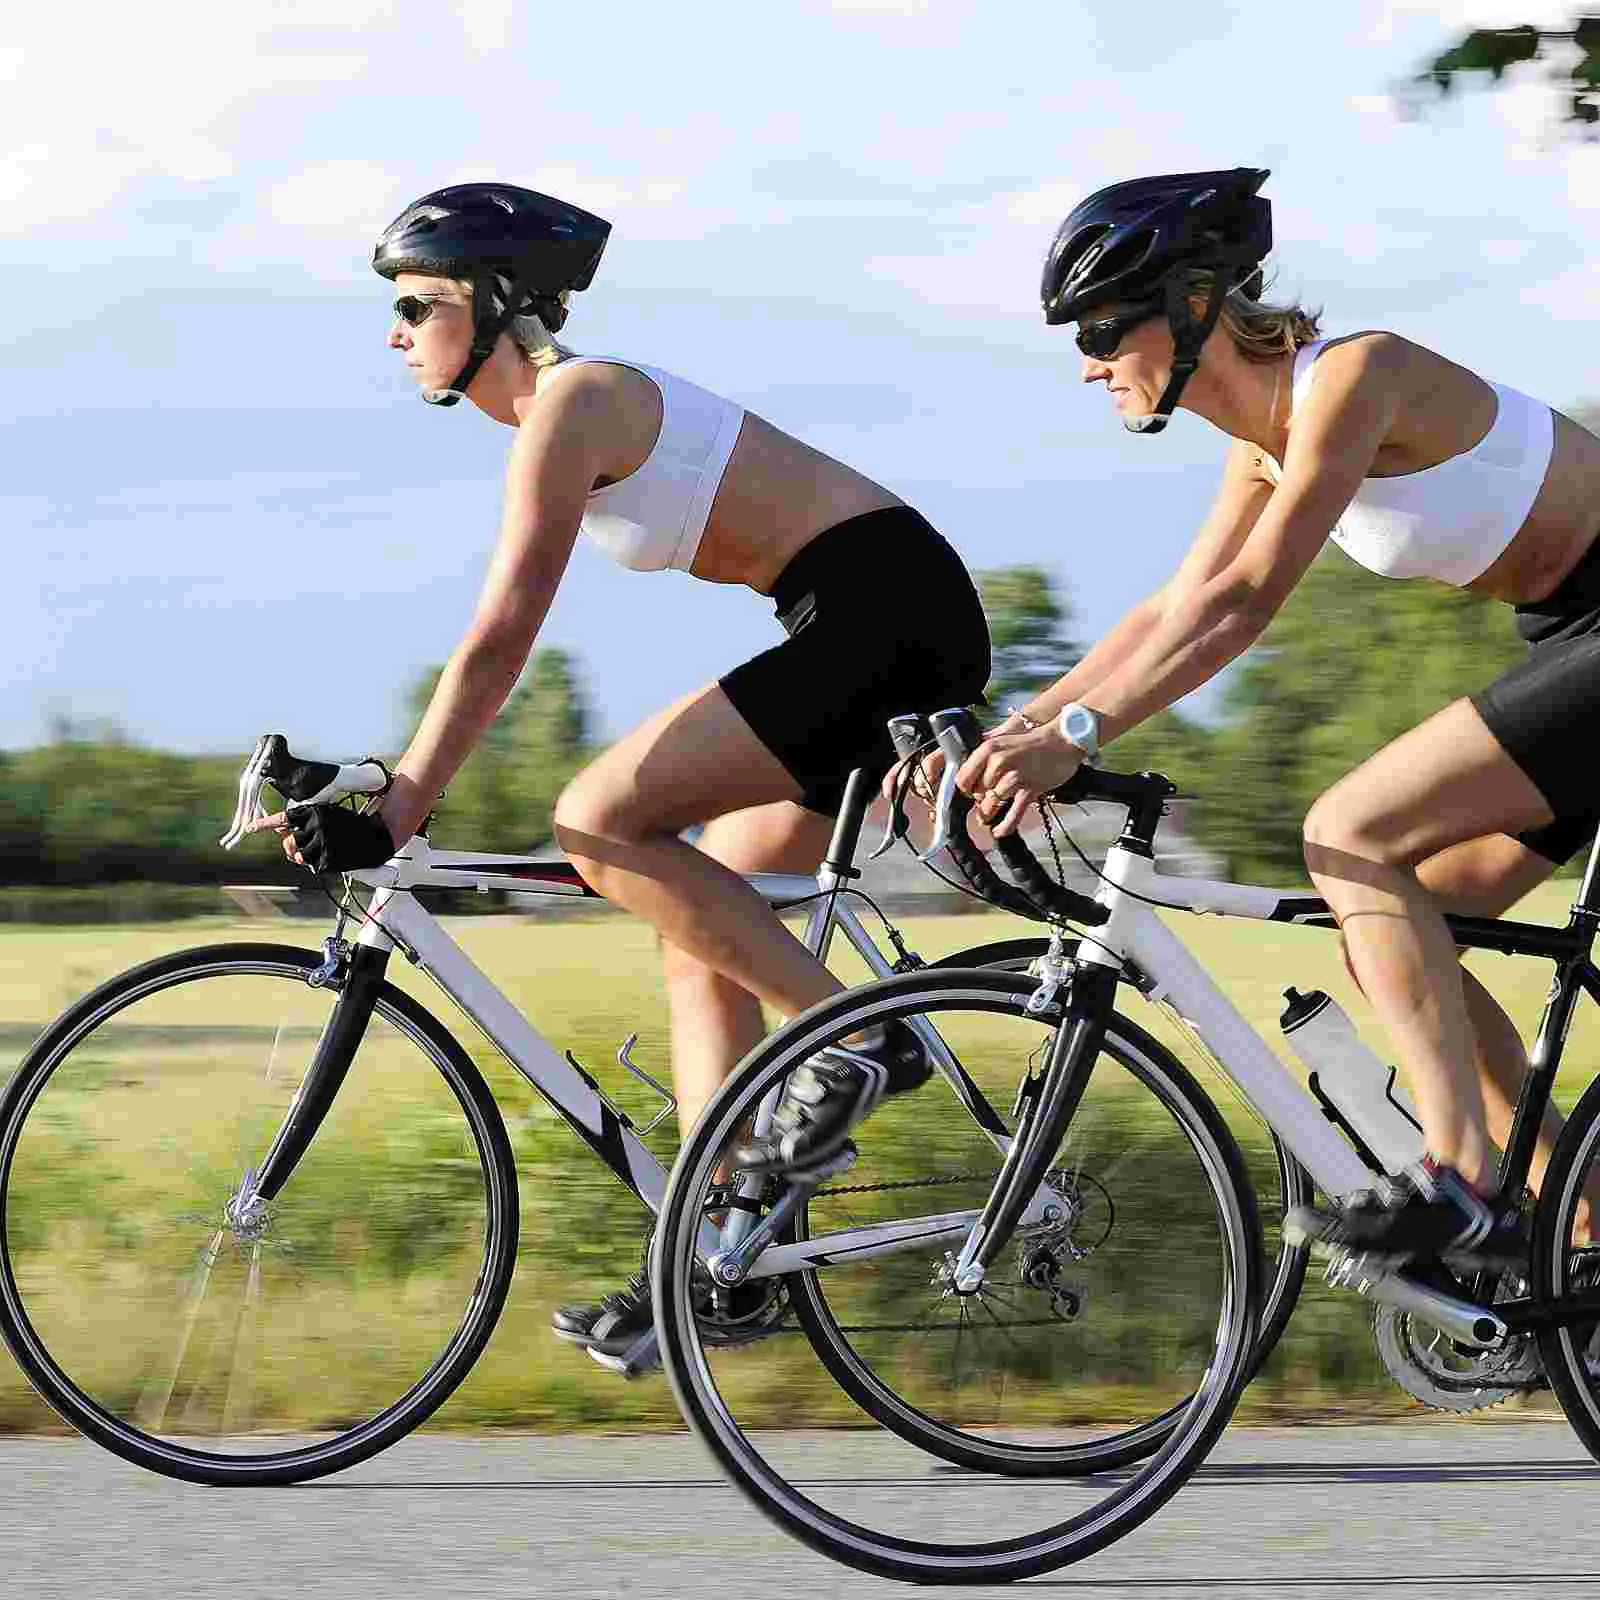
{"type": "Point", "coordinates": [1570, 296]}
{"type": "Point", "coordinates": [1381, 106]}
{"type": "Point", "coordinates": [78, 126]}
{"type": "Point", "coordinates": [487, 23]}
{"type": "Point", "coordinates": [1044, 206]}
{"type": "Point", "coordinates": [348, 195]}
{"type": "Point", "coordinates": [1505, 252]}
{"type": "Point", "coordinates": [1456, 16]}
{"type": "Point", "coordinates": [904, 8]}
{"type": "Point", "coordinates": [1583, 177]}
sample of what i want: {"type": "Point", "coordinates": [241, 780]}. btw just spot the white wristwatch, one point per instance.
{"type": "Point", "coordinates": [1078, 725]}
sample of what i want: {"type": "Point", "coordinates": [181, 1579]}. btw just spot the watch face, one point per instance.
{"type": "Point", "coordinates": [1080, 726]}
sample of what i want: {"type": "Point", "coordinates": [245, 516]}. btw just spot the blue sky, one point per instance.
{"type": "Point", "coordinates": [226, 511]}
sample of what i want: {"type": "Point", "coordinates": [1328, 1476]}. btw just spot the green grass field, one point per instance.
{"type": "Point", "coordinates": [585, 984]}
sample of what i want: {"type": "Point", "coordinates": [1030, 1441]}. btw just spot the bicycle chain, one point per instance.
{"type": "Point", "coordinates": [909, 1183]}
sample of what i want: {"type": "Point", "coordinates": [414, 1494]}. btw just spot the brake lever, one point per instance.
{"type": "Point", "coordinates": [252, 780]}
{"type": "Point", "coordinates": [898, 823]}
{"type": "Point", "coordinates": [942, 814]}
{"type": "Point", "coordinates": [906, 735]}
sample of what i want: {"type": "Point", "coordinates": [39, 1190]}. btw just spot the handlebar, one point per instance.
{"type": "Point", "coordinates": [1036, 894]}
{"type": "Point", "coordinates": [298, 780]}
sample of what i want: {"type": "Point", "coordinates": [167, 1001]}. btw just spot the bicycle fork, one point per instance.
{"type": "Point", "coordinates": [363, 974]}
{"type": "Point", "coordinates": [1073, 1049]}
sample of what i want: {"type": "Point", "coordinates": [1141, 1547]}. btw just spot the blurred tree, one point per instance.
{"type": "Point", "coordinates": [503, 796]}
{"type": "Point", "coordinates": [1027, 623]}
{"type": "Point", "coordinates": [1496, 50]}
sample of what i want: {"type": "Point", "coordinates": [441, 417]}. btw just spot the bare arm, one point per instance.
{"type": "Point", "coordinates": [1239, 504]}
{"type": "Point", "coordinates": [554, 461]}
{"type": "Point", "coordinates": [1232, 590]}
{"type": "Point", "coordinates": [1345, 419]}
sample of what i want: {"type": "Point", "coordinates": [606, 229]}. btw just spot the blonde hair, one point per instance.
{"type": "Point", "coordinates": [1261, 330]}
{"type": "Point", "coordinates": [528, 333]}
{"type": "Point", "coordinates": [536, 341]}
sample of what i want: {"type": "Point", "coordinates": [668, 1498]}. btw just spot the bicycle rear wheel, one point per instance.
{"type": "Point", "coordinates": [1129, 1290]}
{"type": "Point", "coordinates": [214, 1340]}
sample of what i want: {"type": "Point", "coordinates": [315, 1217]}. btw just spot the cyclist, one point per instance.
{"type": "Point", "coordinates": [666, 476]}
{"type": "Point", "coordinates": [1417, 468]}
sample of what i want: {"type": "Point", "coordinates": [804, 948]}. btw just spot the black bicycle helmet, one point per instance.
{"type": "Point", "coordinates": [520, 251]}
{"type": "Point", "coordinates": [1130, 241]}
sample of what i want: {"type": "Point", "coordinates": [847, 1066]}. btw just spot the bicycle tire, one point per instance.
{"type": "Point", "coordinates": [160, 979]}
{"type": "Point", "coordinates": [891, 1554]}
{"type": "Point", "coordinates": [1563, 1351]}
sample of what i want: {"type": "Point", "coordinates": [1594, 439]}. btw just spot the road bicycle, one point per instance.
{"type": "Point", "coordinates": [1148, 1240]}
{"type": "Point", "coordinates": [248, 1188]}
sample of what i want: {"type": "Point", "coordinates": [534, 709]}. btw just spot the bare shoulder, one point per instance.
{"type": "Point", "coordinates": [1376, 358]}
{"type": "Point", "coordinates": [591, 388]}
{"type": "Point", "coordinates": [1373, 353]}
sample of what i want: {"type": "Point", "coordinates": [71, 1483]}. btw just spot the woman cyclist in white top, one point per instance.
{"type": "Point", "coordinates": [666, 475]}
{"type": "Point", "coordinates": [1418, 468]}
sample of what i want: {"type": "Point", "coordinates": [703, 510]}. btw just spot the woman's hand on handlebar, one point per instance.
{"type": "Point", "coordinates": [931, 766]}
{"type": "Point", "coordinates": [330, 838]}
{"type": "Point", "coordinates": [1008, 772]}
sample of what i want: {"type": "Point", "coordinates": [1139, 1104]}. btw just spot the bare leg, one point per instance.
{"type": "Point", "coordinates": [620, 819]}
{"type": "Point", "coordinates": [715, 1021]}
{"type": "Point", "coordinates": [1437, 786]}
{"type": "Point", "coordinates": [1486, 878]}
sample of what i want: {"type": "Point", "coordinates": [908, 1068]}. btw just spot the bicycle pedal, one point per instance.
{"type": "Point", "coordinates": [642, 1356]}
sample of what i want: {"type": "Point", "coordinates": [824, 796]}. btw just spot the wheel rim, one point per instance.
{"type": "Point", "coordinates": [249, 1337]}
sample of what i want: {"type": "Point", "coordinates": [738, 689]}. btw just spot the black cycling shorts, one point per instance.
{"type": "Point", "coordinates": [1545, 711]}
{"type": "Point", "coordinates": [882, 618]}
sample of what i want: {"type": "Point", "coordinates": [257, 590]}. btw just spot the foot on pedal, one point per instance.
{"type": "Point", "coordinates": [828, 1095]}
{"type": "Point", "coordinates": [1433, 1215]}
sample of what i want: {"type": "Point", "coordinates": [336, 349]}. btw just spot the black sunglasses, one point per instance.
{"type": "Point", "coordinates": [1100, 339]}
{"type": "Point", "coordinates": [413, 310]}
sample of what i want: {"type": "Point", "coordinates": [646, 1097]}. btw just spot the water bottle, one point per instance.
{"type": "Point", "coordinates": [1355, 1089]}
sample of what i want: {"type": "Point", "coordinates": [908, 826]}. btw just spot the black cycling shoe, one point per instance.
{"type": "Point", "coordinates": [828, 1095]}
{"type": "Point", "coordinates": [613, 1326]}
{"type": "Point", "coordinates": [1437, 1215]}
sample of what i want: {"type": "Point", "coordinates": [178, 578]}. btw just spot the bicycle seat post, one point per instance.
{"type": "Point", "coordinates": [840, 859]}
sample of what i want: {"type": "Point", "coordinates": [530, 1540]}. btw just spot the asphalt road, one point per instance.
{"type": "Point", "coordinates": [1484, 1508]}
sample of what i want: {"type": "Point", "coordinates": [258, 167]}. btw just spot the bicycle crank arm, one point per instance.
{"type": "Point", "coordinates": [1461, 1320]}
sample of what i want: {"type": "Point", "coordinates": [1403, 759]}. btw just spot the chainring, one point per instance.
{"type": "Point", "coordinates": [1430, 1367]}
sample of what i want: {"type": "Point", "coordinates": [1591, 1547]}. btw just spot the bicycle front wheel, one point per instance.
{"type": "Point", "coordinates": [1129, 1290]}
{"type": "Point", "coordinates": [224, 1342]}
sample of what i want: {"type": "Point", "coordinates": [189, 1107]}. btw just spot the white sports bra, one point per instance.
{"type": "Point", "coordinates": [652, 520]}
{"type": "Point", "coordinates": [1453, 520]}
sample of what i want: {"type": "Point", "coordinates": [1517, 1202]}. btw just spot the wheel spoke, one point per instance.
{"type": "Point", "coordinates": [157, 1396]}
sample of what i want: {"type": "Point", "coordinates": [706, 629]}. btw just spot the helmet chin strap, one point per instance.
{"type": "Point", "coordinates": [1187, 338]}
{"type": "Point", "coordinates": [488, 326]}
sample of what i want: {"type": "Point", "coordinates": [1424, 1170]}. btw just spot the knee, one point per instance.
{"type": "Point", "coordinates": [1338, 826]}
{"type": "Point", "coordinates": [592, 810]}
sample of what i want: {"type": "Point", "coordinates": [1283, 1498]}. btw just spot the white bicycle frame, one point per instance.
{"type": "Point", "coordinates": [1135, 933]}
{"type": "Point", "coordinates": [395, 919]}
